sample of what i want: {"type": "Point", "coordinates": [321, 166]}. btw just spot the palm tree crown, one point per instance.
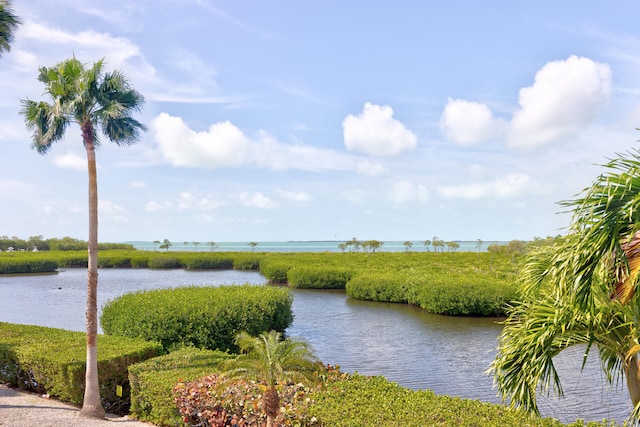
{"type": "Point", "coordinates": [8, 26]}
{"type": "Point", "coordinates": [581, 290]}
{"type": "Point", "coordinates": [87, 97]}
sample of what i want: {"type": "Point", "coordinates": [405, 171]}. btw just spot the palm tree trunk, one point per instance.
{"type": "Point", "coordinates": [632, 373]}
{"type": "Point", "coordinates": [271, 404]}
{"type": "Point", "coordinates": [92, 406]}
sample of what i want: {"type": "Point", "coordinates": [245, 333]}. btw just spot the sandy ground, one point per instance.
{"type": "Point", "coordinates": [21, 409]}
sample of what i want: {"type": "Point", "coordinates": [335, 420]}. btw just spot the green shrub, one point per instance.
{"type": "Point", "coordinates": [382, 287]}
{"type": "Point", "coordinates": [203, 317]}
{"type": "Point", "coordinates": [247, 261]}
{"type": "Point", "coordinates": [153, 380]}
{"type": "Point", "coordinates": [163, 261]}
{"type": "Point", "coordinates": [275, 271]}
{"type": "Point", "coordinates": [10, 266]}
{"type": "Point", "coordinates": [52, 361]}
{"type": "Point", "coordinates": [461, 295]}
{"type": "Point", "coordinates": [318, 277]}
{"type": "Point", "coordinates": [359, 401]}
{"type": "Point", "coordinates": [208, 262]}
{"type": "Point", "coordinates": [114, 261]}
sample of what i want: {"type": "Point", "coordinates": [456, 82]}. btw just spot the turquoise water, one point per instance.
{"type": "Point", "coordinates": [303, 246]}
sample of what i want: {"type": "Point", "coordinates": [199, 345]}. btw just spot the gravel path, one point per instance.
{"type": "Point", "coordinates": [21, 409]}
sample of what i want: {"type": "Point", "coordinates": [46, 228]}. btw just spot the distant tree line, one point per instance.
{"type": "Point", "coordinates": [39, 243]}
{"type": "Point", "coordinates": [437, 245]}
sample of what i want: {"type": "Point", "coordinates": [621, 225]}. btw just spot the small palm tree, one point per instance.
{"type": "Point", "coordinates": [93, 100]}
{"type": "Point", "coordinates": [273, 360]}
{"type": "Point", "coordinates": [8, 26]}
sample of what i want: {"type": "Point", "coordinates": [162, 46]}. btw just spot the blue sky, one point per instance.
{"type": "Point", "coordinates": [288, 120]}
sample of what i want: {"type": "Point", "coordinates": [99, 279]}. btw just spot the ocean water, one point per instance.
{"type": "Point", "coordinates": [303, 246]}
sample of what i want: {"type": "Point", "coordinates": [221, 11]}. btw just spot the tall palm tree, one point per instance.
{"type": "Point", "coordinates": [93, 100]}
{"type": "Point", "coordinates": [273, 360]}
{"type": "Point", "coordinates": [8, 26]}
{"type": "Point", "coordinates": [581, 290]}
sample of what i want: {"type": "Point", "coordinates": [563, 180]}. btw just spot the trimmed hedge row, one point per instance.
{"type": "Point", "coordinates": [344, 400]}
{"type": "Point", "coordinates": [381, 287]}
{"type": "Point", "coordinates": [21, 262]}
{"type": "Point", "coordinates": [9, 266]}
{"type": "Point", "coordinates": [203, 317]}
{"type": "Point", "coordinates": [463, 295]}
{"type": "Point", "coordinates": [359, 401]}
{"type": "Point", "coordinates": [152, 382]}
{"type": "Point", "coordinates": [49, 360]}
{"type": "Point", "coordinates": [318, 278]}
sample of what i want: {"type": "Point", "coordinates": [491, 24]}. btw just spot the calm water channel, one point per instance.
{"type": "Point", "coordinates": [448, 355]}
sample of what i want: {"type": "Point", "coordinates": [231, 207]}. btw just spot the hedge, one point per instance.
{"type": "Point", "coordinates": [152, 382]}
{"type": "Point", "coordinates": [462, 295]}
{"type": "Point", "coordinates": [359, 401]}
{"type": "Point", "coordinates": [52, 361]}
{"type": "Point", "coordinates": [345, 400]}
{"type": "Point", "coordinates": [203, 317]}
{"type": "Point", "coordinates": [10, 266]}
{"type": "Point", "coordinates": [318, 277]}
{"type": "Point", "coordinates": [381, 287]}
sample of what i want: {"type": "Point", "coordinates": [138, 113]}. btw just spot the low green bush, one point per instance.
{"type": "Point", "coordinates": [381, 287]}
{"type": "Point", "coordinates": [208, 262]}
{"type": "Point", "coordinates": [52, 361]}
{"type": "Point", "coordinates": [10, 266]}
{"type": "Point", "coordinates": [359, 401]}
{"type": "Point", "coordinates": [203, 317]}
{"type": "Point", "coordinates": [153, 380]}
{"type": "Point", "coordinates": [318, 277]}
{"type": "Point", "coordinates": [164, 261]}
{"type": "Point", "coordinates": [247, 261]}
{"type": "Point", "coordinates": [275, 271]}
{"type": "Point", "coordinates": [107, 260]}
{"type": "Point", "coordinates": [462, 295]}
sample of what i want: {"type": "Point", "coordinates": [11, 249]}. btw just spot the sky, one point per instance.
{"type": "Point", "coordinates": [277, 120]}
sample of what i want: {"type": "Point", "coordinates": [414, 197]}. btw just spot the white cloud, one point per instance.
{"type": "Point", "coordinates": [71, 161]}
{"type": "Point", "coordinates": [225, 145]}
{"type": "Point", "coordinates": [507, 186]}
{"type": "Point", "coordinates": [368, 168]}
{"type": "Point", "coordinates": [153, 206]}
{"type": "Point", "coordinates": [87, 45]}
{"type": "Point", "coordinates": [185, 202]}
{"type": "Point", "coordinates": [296, 196]}
{"type": "Point", "coordinates": [137, 184]}
{"type": "Point", "coordinates": [222, 145]}
{"type": "Point", "coordinates": [113, 211]}
{"type": "Point", "coordinates": [468, 123]}
{"type": "Point", "coordinates": [565, 96]}
{"type": "Point", "coordinates": [376, 132]}
{"type": "Point", "coordinates": [256, 200]}
{"type": "Point", "coordinates": [404, 191]}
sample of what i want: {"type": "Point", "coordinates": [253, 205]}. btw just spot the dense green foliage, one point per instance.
{"type": "Point", "coordinates": [343, 400]}
{"type": "Point", "coordinates": [153, 380]}
{"type": "Point", "coordinates": [39, 243]}
{"type": "Point", "coordinates": [464, 283]}
{"type": "Point", "coordinates": [52, 361]}
{"type": "Point", "coordinates": [318, 277]}
{"type": "Point", "coordinates": [444, 283]}
{"type": "Point", "coordinates": [203, 317]}
{"type": "Point", "coordinates": [359, 401]}
{"type": "Point", "coordinates": [17, 266]}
